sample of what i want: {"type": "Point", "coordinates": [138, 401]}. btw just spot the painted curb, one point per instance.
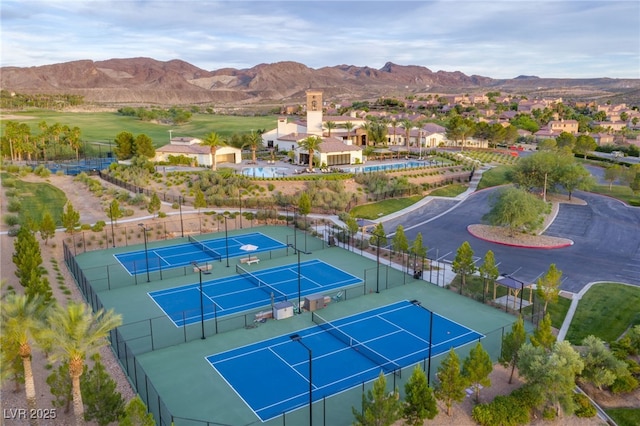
{"type": "Point", "coordinates": [551, 247]}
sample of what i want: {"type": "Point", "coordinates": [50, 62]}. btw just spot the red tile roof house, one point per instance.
{"type": "Point", "coordinates": [201, 155]}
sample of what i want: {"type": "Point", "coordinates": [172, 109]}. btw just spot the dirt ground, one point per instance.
{"type": "Point", "coordinates": [91, 210]}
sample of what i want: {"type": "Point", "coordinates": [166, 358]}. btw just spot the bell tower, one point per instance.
{"type": "Point", "coordinates": [314, 112]}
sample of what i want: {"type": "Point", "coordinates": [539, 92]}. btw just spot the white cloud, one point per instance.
{"type": "Point", "coordinates": [500, 39]}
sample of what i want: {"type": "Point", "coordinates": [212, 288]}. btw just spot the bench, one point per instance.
{"type": "Point", "coordinates": [249, 260]}
{"type": "Point", "coordinates": [205, 267]}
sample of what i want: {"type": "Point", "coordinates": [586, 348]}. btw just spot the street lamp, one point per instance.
{"type": "Point", "coordinates": [200, 271]}
{"type": "Point", "coordinates": [240, 203]}
{"type": "Point", "coordinates": [298, 338]}
{"type": "Point", "coordinates": [146, 252]}
{"type": "Point", "coordinates": [226, 239]}
{"type": "Point", "coordinates": [521, 288]}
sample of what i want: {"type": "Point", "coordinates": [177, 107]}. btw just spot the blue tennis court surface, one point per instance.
{"type": "Point", "coordinates": [272, 376]}
{"type": "Point", "coordinates": [239, 293]}
{"type": "Point", "coordinates": [175, 256]}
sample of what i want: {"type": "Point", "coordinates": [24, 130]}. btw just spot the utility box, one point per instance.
{"type": "Point", "coordinates": [282, 310]}
{"type": "Point", "coordinates": [314, 302]}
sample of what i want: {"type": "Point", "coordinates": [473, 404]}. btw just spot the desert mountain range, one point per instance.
{"type": "Point", "coordinates": [145, 81]}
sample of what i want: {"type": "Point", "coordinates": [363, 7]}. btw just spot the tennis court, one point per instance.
{"type": "Point", "coordinates": [272, 376]}
{"type": "Point", "coordinates": [247, 291]}
{"type": "Point", "coordinates": [205, 251]}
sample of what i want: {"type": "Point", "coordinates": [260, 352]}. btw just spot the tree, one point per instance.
{"type": "Point", "coordinates": [70, 218]}
{"type": "Point", "coordinates": [199, 201]}
{"type": "Point", "coordinates": [213, 141]}
{"type": "Point", "coordinates": [476, 368]}
{"type": "Point", "coordinates": [311, 144]}
{"type": "Point", "coordinates": [451, 385]}
{"type": "Point", "coordinates": [418, 249]}
{"type": "Point", "coordinates": [352, 226]}
{"type": "Point", "coordinates": [27, 256]}
{"type": "Point", "coordinates": [548, 286]}
{"type": "Point", "coordinates": [566, 139]}
{"type": "Point", "coordinates": [601, 367]}
{"type": "Point", "coordinates": [551, 375]}
{"type": "Point", "coordinates": [143, 146]}
{"type": "Point", "coordinates": [584, 144]}
{"type": "Point", "coordinates": [254, 142]}
{"type": "Point", "coordinates": [73, 138]}
{"type": "Point", "coordinates": [548, 145]}
{"type": "Point", "coordinates": [378, 238]}
{"type": "Point", "coordinates": [399, 242]}
{"type": "Point", "coordinates": [511, 344]}
{"type": "Point", "coordinates": [23, 319]}
{"type": "Point", "coordinates": [135, 414]}
{"type": "Point", "coordinates": [463, 263]}
{"type": "Point", "coordinates": [379, 408]}
{"type": "Point", "coordinates": [349, 127]}
{"type": "Point", "coordinates": [47, 227]}
{"type": "Point", "coordinates": [330, 125]}
{"type": "Point", "coordinates": [488, 271]}
{"type": "Point", "coordinates": [59, 383]}
{"type": "Point", "coordinates": [154, 204]}
{"type": "Point", "coordinates": [575, 176]}
{"type": "Point", "coordinates": [103, 403]}
{"type": "Point", "coordinates": [543, 335]}
{"type": "Point", "coordinates": [77, 333]}
{"type": "Point", "coordinates": [304, 207]}
{"type": "Point", "coordinates": [124, 145]}
{"type": "Point", "coordinates": [613, 173]}
{"type": "Point", "coordinates": [420, 403]}
{"type": "Point", "coordinates": [516, 209]}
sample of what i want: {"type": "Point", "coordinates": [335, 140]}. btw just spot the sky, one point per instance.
{"type": "Point", "coordinates": [498, 39]}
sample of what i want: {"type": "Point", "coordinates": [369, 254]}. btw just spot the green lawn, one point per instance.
{"type": "Point", "coordinates": [384, 207]}
{"type": "Point", "coordinates": [625, 416]}
{"type": "Point", "coordinates": [620, 192]}
{"type": "Point", "coordinates": [449, 190]}
{"type": "Point", "coordinates": [104, 126]}
{"type": "Point", "coordinates": [605, 311]}
{"type": "Point", "coordinates": [558, 311]}
{"type": "Point", "coordinates": [37, 198]}
{"type": "Point", "coordinates": [494, 177]}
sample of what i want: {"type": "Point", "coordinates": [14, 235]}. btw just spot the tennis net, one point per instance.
{"type": "Point", "coordinates": [384, 362]}
{"type": "Point", "coordinates": [201, 246]}
{"type": "Point", "coordinates": [278, 295]}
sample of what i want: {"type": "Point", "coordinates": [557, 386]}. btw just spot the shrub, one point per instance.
{"type": "Point", "coordinates": [584, 408]}
{"type": "Point", "coordinates": [624, 384]}
{"type": "Point", "coordinates": [14, 206]}
{"type": "Point", "coordinates": [85, 227]}
{"type": "Point", "coordinates": [162, 214]}
{"type": "Point", "coordinates": [11, 220]}
{"type": "Point", "coordinates": [9, 183]}
{"type": "Point", "coordinates": [99, 226]}
{"type": "Point", "coordinates": [42, 171]}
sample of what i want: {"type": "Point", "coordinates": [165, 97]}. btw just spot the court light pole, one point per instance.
{"type": "Point", "coordinates": [146, 251]}
{"type": "Point", "coordinates": [200, 271]}
{"type": "Point", "coordinates": [180, 199]}
{"type": "Point", "coordinates": [299, 287]}
{"type": "Point", "coordinates": [298, 338]}
{"type": "Point", "coordinates": [240, 204]}
{"type": "Point", "coordinates": [226, 239]}
{"type": "Point", "coordinates": [417, 303]}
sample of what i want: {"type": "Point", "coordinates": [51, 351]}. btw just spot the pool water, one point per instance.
{"type": "Point", "coordinates": [385, 167]}
{"type": "Point", "coordinates": [264, 172]}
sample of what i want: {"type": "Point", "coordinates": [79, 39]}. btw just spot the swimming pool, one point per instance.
{"type": "Point", "coordinates": [264, 172]}
{"type": "Point", "coordinates": [386, 167]}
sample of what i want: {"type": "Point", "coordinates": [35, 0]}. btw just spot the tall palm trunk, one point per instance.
{"type": "Point", "coordinates": [214, 164]}
{"type": "Point", "coordinates": [75, 371]}
{"type": "Point", "coordinates": [29, 385]}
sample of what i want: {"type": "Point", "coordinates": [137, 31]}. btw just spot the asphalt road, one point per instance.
{"type": "Point", "coordinates": [606, 235]}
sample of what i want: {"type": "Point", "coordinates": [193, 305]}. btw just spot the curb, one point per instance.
{"type": "Point", "coordinates": [551, 247]}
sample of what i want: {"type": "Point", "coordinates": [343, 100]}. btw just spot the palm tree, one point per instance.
{"type": "Point", "coordinates": [330, 125]}
{"type": "Point", "coordinates": [254, 142]}
{"type": "Point", "coordinates": [23, 318]}
{"type": "Point", "coordinates": [349, 126]}
{"type": "Point", "coordinates": [73, 137]}
{"type": "Point", "coordinates": [311, 144]}
{"type": "Point", "coordinates": [78, 333]}
{"type": "Point", "coordinates": [213, 141]}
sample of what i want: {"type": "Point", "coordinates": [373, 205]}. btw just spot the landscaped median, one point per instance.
{"type": "Point", "coordinates": [502, 235]}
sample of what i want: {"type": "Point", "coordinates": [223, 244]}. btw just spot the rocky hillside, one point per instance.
{"type": "Point", "coordinates": [138, 81]}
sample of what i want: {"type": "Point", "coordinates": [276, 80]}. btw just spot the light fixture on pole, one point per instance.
{"type": "Point", "coordinates": [200, 271]}
{"type": "Point", "coordinates": [417, 303]}
{"type": "Point", "coordinates": [146, 251]}
{"type": "Point", "coordinates": [180, 199]}
{"type": "Point", "coordinates": [226, 239]}
{"type": "Point", "coordinates": [240, 204]}
{"type": "Point", "coordinates": [298, 338]}
{"type": "Point", "coordinates": [113, 237]}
